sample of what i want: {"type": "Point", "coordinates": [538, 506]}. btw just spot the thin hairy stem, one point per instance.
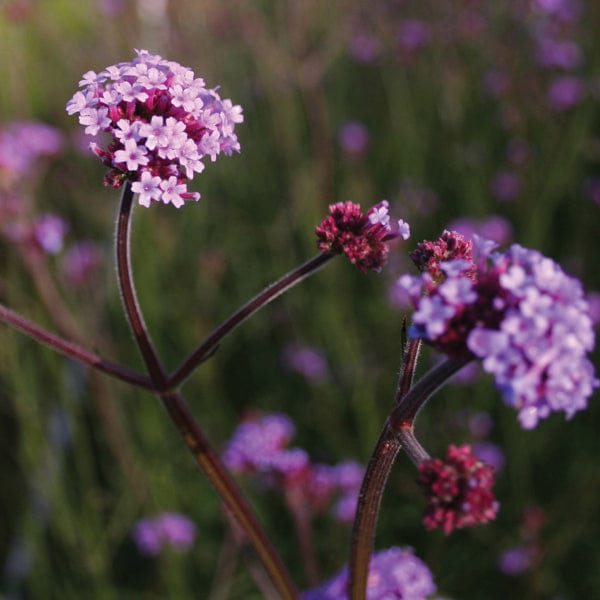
{"type": "Point", "coordinates": [400, 421]}
{"type": "Point", "coordinates": [72, 350]}
{"type": "Point", "coordinates": [236, 504]}
{"type": "Point", "coordinates": [177, 409]}
{"type": "Point", "coordinates": [409, 405]}
{"type": "Point", "coordinates": [132, 308]}
{"type": "Point", "coordinates": [208, 346]}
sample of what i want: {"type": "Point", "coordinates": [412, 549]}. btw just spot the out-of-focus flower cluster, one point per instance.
{"type": "Point", "coordinates": [22, 145]}
{"type": "Point", "coordinates": [393, 573]}
{"type": "Point", "coordinates": [260, 447]}
{"type": "Point", "coordinates": [360, 236]}
{"type": "Point", "coordinates": [459, 490]}
{"type": "Point", "coordinates": [167, 530]}
{"type": "Point", "coordinates": [522, 315]}
{"type": "Point", "coordinates": [161, 120]}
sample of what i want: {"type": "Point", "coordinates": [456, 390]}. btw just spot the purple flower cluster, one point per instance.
{"type": "Point", "coordinates": [153, 535]}
{"type": "Point", "coordinates": [162, 122]}
{"type": "Point", "coordinates": [260, 447]}
{"type": "Point", "coordinates": [360, 236]}
{"type": "Point", "coordinates": [307, 361]}
{"type": "Point", "coordinates": [523, 316]}
{"type": "Point", "coordinates": [393, 573]}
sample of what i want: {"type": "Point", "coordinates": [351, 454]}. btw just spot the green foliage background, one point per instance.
{"type": "Point", "coordinates": [70, 508]}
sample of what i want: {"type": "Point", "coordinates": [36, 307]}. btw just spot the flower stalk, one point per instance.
{"type": "Point", "coordinates": [177, 409]}
{"type": "Point", "coordinates": [398, 430]}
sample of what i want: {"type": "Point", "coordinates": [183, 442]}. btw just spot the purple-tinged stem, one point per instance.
{"type": "Point", "coordinates": [376, 475]}
{"type": "Point", "coordinates": [235, 503]}
{"type": "Point", "coordinates": [209, 345]}
{"type": "Point", "coordinates": [411, 446]}
{"type": "Point", "coordinates": [132, 308]}
{"type": "Point", "coordinates": [177, 409]}
{"type": "Point", "coordinates": [408, 403]}
{"type": "Point", "coordinates": [72, 350]}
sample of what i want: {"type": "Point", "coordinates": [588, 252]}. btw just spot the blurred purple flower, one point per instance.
{"type": "Point", "coordinates": [506, 186]}
{"type": "Point", "coordinates": [480, 424]}
{"type": "Point", "coordinates": [81, 262]}
{"type": "Point", "coordinates": [23, 143]}
{"type": "Point", "coordinates": [413, 34]}
{"type": "Point", "coordinates": [353, 138]}
{"type": "Point", "coordinates": [306, 361]}
{"type": "Point", "coordinates": [490, 454]}
{"type": "Point", "coordinates": [348, 476]}
{"type": "Point", "coordinates": [49, 231]}
{"type": "Point", "coordinates": [169, 529]}
{"type": "Point", "coordinates": [565, 92]}
{"type": "Point", "coordinates": [494, 228]}
{"type": "Point", "coordinates": [567, 11]}
{"type": "Point", "coordinates": [558, 54]}
{"type": "Point", "coordinates": [256, 443]}
{"type": "Point", "coordinates": [177, 531]}
{"type": "Point", "coordinates": [365, 48]}
{"type": "Point", "coordinates": [393, 573]}
{"type": "Point", "coordinates": [515, 560]}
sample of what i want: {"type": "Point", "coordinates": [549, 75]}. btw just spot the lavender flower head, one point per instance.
{"type": "Point", "coordinates": [393, 573]}
{"type": "Point", "coordinates": [162, 122]}
{"type": "Point", "coordinates": [523, 316]}
{"type": "Point", "coordinates": [153, 535]}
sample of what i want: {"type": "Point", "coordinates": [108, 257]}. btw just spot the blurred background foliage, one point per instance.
{"type": "Point", "coordinates": [450, 110]}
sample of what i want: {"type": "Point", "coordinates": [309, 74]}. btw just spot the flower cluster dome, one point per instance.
{"type": "Point", "coordinates": [522, 315]}
{"type": "Point", "coordinates": [162, 122]}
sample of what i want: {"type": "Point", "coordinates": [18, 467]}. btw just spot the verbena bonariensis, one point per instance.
{"type": "Point", "coordinates": [516, 311]}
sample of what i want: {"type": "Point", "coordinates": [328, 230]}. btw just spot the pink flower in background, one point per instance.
{"type": "Point", "coordinates": [307, 361]}
{"type": "Point", "coordinates": [81, 263]}
{"type": "Point", "coordinates": [565, 93]}
{"type": "Point", "coordinates": [49, 232]}
{"type": "Point", "coordinates": [162, 122]}
{"type": "Point", "coordinates": [365, 48]}
{"type": "Point", "coordinates": [23, 144]}
{"type": "Point", "coordinates": [393, 573]}
{"type": "Point", "coordinates": [413, 34]}
{"type": "Point", "coordinates": [494, 228]}
{"type": "Point", "coordinates": [167, 530]}
{"type": "Point", "coordinates": [353, 138]}
{"type": "Point", "coordinates": [515, 561]}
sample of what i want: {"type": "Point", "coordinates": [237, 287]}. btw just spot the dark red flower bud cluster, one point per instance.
{"type": "Point", "coordinates": [349, 231]}
{"type": "Point", "coordinates": [459, 491]}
